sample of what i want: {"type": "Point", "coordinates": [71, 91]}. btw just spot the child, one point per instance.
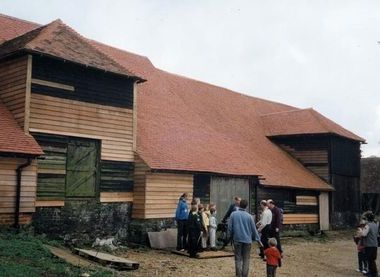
{"type": "Point", "coordinates": [194, 225]}
{"type": "Point", "coordinates": [273, 257]}
{"type": "Point", "coordinates": [212, 227]}
{"type": "Point", "coordinates": [205, 223]}
{"type": "Point", "coordinates": [362, 260]}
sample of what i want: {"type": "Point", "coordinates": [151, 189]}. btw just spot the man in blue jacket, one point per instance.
{"type": "Point", "coordinates": [181, 216]}
{"type": "Point", "coordinates": [242, 230]}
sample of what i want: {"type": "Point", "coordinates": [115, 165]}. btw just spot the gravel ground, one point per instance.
{"type": "Point", "coordinates": [335, 256]}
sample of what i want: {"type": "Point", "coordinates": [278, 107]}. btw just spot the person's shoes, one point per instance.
{"type": "Point", "coordinates": [182, 250]}
{"type": "Point", "coordinates": [364, 271]}
{"type": "Point", "coordinates": [358, 270]}
{"type": "Point", "coordinates": [213, 249]}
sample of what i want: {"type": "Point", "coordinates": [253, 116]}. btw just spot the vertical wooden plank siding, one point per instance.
{"type": "Point", "coordinates": [8, 189]}
{"type": "Point", "coordinates": [13, 75]}
{"type": "Point", "coordinates": [140, 172]}
{"type": "Point", "coordinates": [112, 125]}
{"type": "Point", "coordinates": [324, 220]}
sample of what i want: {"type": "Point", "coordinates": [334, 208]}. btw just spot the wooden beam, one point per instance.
{"type": "Point", "coordinates": [116, 197]}
{"type": "Point", "coordinates": [52, 84]}
{"type": "Point", "coordinates": [28, 93]}
{"type": "Point", "coordinates": [50, 203]}
{"type": "Point", "coordinates": [134, 148]}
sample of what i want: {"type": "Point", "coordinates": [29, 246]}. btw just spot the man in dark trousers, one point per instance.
{"type": "Point", "coordinates": [242, 230]}
{"type": "Point", "coordinates": [370, 233]}
{"type": "Point", "coordinates": [233, 207]}
{"type": "Point", "coordinates": [181, 216]}
{"type": "Point", "coordinates": [275, 226]}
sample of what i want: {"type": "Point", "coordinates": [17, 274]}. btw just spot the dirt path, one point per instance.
{"type": "Point", "coordinates": [302, 258]}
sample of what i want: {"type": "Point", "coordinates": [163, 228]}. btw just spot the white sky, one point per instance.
{"type": "Point", "coordinates": [320, 54]}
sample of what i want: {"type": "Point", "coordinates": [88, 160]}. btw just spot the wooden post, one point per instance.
{"type": "Point", "coordinates": [28, 94]}
{"type": "Point", "coordinates": [134, 117]}
{"type": "Point", "coordinates": [324, 220]}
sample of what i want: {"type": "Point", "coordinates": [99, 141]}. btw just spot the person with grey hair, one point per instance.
{"type": "Point", "coordinates": [370, 233]}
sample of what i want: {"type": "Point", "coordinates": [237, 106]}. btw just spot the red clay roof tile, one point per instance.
{"type": "Point", "coordinates": [301, 122]}
{"type": "Point", "coordinates": [59, 40]}
{"type": "Point", "coordinates": [13, 139]}
{"type": "Point", "coordinates": [187, 125]}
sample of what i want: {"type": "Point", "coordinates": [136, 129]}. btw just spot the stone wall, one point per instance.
{"type": "Point", "coordinates": [81, 222]}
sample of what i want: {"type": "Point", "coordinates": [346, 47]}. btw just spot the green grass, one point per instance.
{"type": "Point", "coordinates": [25, 255]}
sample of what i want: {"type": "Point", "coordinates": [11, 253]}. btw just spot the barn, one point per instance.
{"type": "Point", "coordinates": [122, 140]}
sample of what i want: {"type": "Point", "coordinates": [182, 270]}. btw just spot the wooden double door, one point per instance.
{"type": "Point", "coordinates": [223, 189]}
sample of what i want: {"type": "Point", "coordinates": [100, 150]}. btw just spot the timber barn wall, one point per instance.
{"type": "Point", "coordinates": [300, 206]}
{"type": "Point", "coordinates": [311, 151]}
{"type": "Point", "coordinates": [156, 194]}
{"type": "Point", "coordinates": [8, 184]}
{"type": "Point", "coordinates": [13, 85]}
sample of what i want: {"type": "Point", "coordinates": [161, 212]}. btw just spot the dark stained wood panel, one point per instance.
{"type": "Point", "coordinates": [116, 176]}
{"type": "Point", "coordinates": [311, 151]}
{"type": "Point", "coordinates": [90, 85]}
{"type": "Point", "coordinates": [52, 167]}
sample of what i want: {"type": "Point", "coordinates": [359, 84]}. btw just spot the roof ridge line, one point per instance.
{"type": "Point", "coordinates": [105, 54]}
{"type": "Point", "coordinates": [314, 114]}
{"type": "Point", "coordinates": [86, 41]}
{"type": "Point", "coordinates": [290, 111]}
{"type": "Point", "coordinates": [20, 19]}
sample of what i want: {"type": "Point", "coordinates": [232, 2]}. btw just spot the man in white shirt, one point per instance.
{"type": "Point", "coordinates": [264, 226]}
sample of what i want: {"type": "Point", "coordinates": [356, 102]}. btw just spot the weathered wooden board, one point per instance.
{"type": "Point", "coordinates": [207, 254]}
{"type": "Point", "coordinates": [112, 125]}
{"type": "Point", "coordinates": [107, 259]}
{"type": "Point", "coordinates": [300, 218]}
{"type": "Point", "coordinates": [8, 186]}
{"type": "Point", "coordinates": [13, 82]}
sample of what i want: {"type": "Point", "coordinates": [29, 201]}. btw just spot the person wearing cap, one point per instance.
{"type": "Point", "coordinates": [263, 226]}
{"type": "Point", "coordinates": [369, 234]}
{"type": "Point", "coordinates": [275, 225]}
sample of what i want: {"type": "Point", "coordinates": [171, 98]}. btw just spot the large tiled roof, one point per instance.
{"type": "Point", "coordinates": [303, 122]}
{"type": "Point", "coordinates": [12, 139]}
{"type": "Point", "coordinates": [187, 125]}
{"type": "Point", "coordinates": [58, 40]}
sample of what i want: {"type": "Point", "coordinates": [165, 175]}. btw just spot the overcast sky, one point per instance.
{"type": "Point", "coordinates": [320, 54]}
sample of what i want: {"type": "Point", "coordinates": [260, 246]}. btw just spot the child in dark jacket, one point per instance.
{"type": "Point", "coordinates": [273, 257]}
{"type": "Point", "coordinates": [195, 226]}
{"type": "Point", "coordinates": [362, 259]}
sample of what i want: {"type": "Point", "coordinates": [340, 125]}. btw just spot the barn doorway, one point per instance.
{"type": "Point", "coordinates": [81, 168]}
{"type": "Point", "coordinates": [223, 189]}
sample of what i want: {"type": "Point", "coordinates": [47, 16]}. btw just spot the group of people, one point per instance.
{"type": "Point", "coordinates": [243, 230]}
{"type": "Point", "coordinates": [197, 231]}
{"type": "Point", "coordinates": [367, 241]}
{"type": "Point", "coordinates": [197, 227]}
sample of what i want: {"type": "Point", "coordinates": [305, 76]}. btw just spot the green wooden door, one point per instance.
{"type": "Point", "coordinates": [81, 168]}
